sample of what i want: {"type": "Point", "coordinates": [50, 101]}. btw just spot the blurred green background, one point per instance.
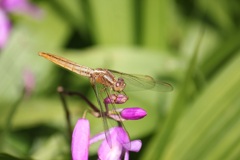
{"type": "Point", "coordinates": [194, 45]}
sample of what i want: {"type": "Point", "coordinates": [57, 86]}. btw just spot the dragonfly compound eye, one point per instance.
{"type": "Point", "coordinates": [120, 85]}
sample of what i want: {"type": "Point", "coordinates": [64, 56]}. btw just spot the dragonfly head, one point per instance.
{"type": "Point", "coordinates": [119, 85]}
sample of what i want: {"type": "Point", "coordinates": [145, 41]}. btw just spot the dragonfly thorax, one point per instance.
{"type": "Point", "coordinates": [105, 77]}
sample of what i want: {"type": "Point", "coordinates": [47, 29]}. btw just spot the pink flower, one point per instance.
{"type": "Point", "coordinates": [117, 150]}
{"type": "Point", "coordinates": [115, 143]}
{"type": "Point", "coordinates": [80, 140]}
{"type": "Point", "coordinates": [13, 6]}
{"type": "Point", "coordinates": [119, 147]}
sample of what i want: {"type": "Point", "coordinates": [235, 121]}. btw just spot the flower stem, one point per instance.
{"type": "Point", "coordinates": [73, 93]}
{"type": "Point", "coordinates": [67, 113]}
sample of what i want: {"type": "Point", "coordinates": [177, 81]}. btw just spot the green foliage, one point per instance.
{"type": "Point", "coordinates": [164, 39]}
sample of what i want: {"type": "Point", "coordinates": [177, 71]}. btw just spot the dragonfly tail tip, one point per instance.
{"type": "Point", "coordinates": [40, 53]}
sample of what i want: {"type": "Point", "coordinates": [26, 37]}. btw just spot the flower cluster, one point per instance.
{"type": "Point", "coordinates": [120, 143]}
{"type": "Point", "coordinates": [13, 6]}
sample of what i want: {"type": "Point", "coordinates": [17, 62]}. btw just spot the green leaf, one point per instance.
{"type": "Point", "coordinates": [209, 129]}
{"type": "Point", "coordinates": [211, 120]}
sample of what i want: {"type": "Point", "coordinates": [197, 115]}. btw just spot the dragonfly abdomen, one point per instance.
{"type": "Point", "coordinates": [82, 70]}
{"type": "Point", "coordinates": [72, 66]}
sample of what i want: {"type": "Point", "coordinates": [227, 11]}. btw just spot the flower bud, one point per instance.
{"type": "Point", "coordinates": [116, 99]}
{"type": "Point", "coordinates": [133, 113]}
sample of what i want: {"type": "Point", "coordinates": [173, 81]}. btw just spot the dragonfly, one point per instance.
{"type": "Point", "coordinates": [112, 80]}
{"type": "Point", "coordinates": [116, 81]}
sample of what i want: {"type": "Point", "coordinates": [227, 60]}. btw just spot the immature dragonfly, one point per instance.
{"type": "Point", "coordinates": [113, 81]}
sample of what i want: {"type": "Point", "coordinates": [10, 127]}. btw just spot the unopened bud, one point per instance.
{"type": "Point", "coordinates": [116, 99]}
{"type": "Point", "coordinates": [133, 113]}
{"type": "Point", "coordinates": [122, 114]}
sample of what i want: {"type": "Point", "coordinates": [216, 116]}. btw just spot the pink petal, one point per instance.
{"type": "Point", "coordinates": [111, 151]}
{"type": "Point", "coordinates": [136, 145]}
{"type": "Point", "coordinates": [126, 156]}
{"type": "Point", "coordinates": [21, 6]}
{"type": "Point", "coordinates": [107, 152]}
{"type": "Point", "coordinates": [4, 28]}
{"type": "Point", "coordinates": [98, 137]}
{"type": "Point", "coordinates": [122, 135]}
{"type": "Point", "coordinates": [80, 140]}
{"type": "Point", "coordinates": [120, 145]}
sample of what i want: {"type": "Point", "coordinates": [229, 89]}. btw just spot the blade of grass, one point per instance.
{"type": "Point", "coordinates": [160, 141]}
{"type": "Point", "coordinates": [208, 120]}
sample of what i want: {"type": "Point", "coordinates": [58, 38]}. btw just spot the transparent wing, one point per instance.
{"type": "Point", "coordinates": [102, 111]}
{"type": "Point", "coordinates": [103, 92]}
{"type": "Point", "coordinates": [143, 82]}
{"type": "Point", "coordinates": [112, 107]}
